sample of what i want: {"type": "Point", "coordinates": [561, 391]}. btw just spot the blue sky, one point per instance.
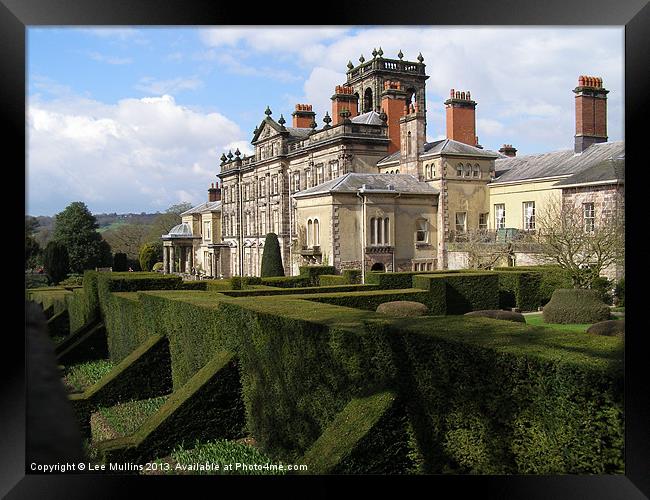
{"type": "Point", "coordinates": [134, 119]}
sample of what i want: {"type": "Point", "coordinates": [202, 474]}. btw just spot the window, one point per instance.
{"type": "Point", "coordinates": [379, 231]}
{"type": "Point", "coordinates": [319, 174]}
{"type": "Point", "coordinates": [386, 232]}
{"type": "Point", "coordinates": [427, 172]}
{"type": "Point", "coordinates": [224, 225]}
{"type": "Point", "coordinates": [206, 230]}
{"type": "Point", "coordinates": [529, 215]}
{"type": "Point", "coordinates": [247, 224]}
{"type": "Point", "coordinates": [276, 222]}
{"type": "Point", "coordinates": [483, 221]}
{"type": "Point", "coordinates": [224, 197]}
{"type": "Point", "coordinates": [274, 184]}
{"type": "Point", "coordinates": [308, 183]}
{"type": "Point", "coordinates": [310, 230]}
{"type": "Point", "coordinates": [397, 170]}
{"type": "Point", "coordinates": [316, 237]}
{"type": "Point", "coordinates": [468, 170]}
{"type": "Point", "coordinates": [422, 232]}
{"type": "Point", "coordinates": [589, 216]}
{"type": "Point", "coordinates": [476, 171]}
{"type": "Point", "coordinates": [373, 231]}
{"type": "Point", "coordinates": [296, 182]}
{"type": "Point", "coordinates": [409, 148]}
{"type": "Point", "coordinates": [433, 170]}
{"type": "Point", "coordinates": [459, 170]}
{"type": "Point", "coordinates": [499, 216]}
{"type": "Point", "coordinates": [461, 222]}
{"type": "Point", "coordinates": [263, 223]}
{"type": "Point", "coordinates": [262, 188]}
{"type": "Point", "coordinates": [334, 169]}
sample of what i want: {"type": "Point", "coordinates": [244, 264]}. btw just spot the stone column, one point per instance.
{"type": "Point", "coordinates": [172, 259]}
{"type": "Point", "coordinates": [165, 260]}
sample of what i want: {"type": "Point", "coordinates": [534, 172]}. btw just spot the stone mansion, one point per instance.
{"type": "Point", "coordinates": [364, 190]}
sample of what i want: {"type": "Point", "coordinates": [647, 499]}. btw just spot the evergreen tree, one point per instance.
{"type": "Point", "coordinates": [76, 229]}
{"type": "Point", "coordinates": [148, 256]}
{"type": "Point", "coordinates": [271, 257]}
{"type": "Point", "coordinates": [119, 262]}
{"type": "Point", "coordinates": [55, 260]}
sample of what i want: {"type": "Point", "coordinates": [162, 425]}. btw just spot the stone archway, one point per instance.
{"type": "Point", "coordinates": [378, 266]}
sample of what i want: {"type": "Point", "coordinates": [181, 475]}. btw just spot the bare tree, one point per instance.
{"type": "Point", "coordinates": [581, 240]}
{"type": "Point", "coordinates": [482, 252]}
{"type": "Point", "coordinates": [128, 238]}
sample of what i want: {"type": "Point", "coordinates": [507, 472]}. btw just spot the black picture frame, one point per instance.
{"type": "Point", "coordinates": [17, 15]}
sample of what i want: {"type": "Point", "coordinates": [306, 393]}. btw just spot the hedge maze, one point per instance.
{"type": "Point", "coordinates": [306, 367]}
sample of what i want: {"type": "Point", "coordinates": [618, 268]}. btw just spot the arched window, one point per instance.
{"type": "Point", "coordinates": [367, 100]}
{"type": "Point", "coordinates": [309, 233]}
{"type": "Point", "coordinates": [468, 170]}
{"type": "Point", "coordinates": [356, 100]}
{"type": "Point", "coordinates": [386, 231]}
{"type": "Point", "coordinates": [397, 170]}
{"type": "Point", "coordinates": [459, 170]}
{"type": "Point", "coordinates": [476, 172]}
{"type": "Point", "coordinates": [373, 231]}
{"type": "Point", "coordinates": [316, 233]}
{"type": "Point", "coordinates": [409, 144]}
{"type": "Point", "coordinates": [427, 172]}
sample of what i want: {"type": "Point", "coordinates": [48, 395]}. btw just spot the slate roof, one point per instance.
{"type": "Point", "coordinates": [444, 147]}
{"type": "Point", "coordinates": [298, 133]}
{"type": "Point", "coordinates": [352, 182]}
{"type": "Point", "coordinates": [208, 206]}
{"type": "Point", "coordinates": [369, 118]}
{"type": "Point", "coordinates": [183, 230]}
{"type": "Point", "coordinates": [611, 170]}
{"type": "Point", "coordinates": [555, 163]}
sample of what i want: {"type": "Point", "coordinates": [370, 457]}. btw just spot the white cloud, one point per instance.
{"type": "Point", "coordinates": [139, 154]}
{"type": "Point", "coordinates": [96, 56]}
{"type": "Point", "coordinates": [173, 86]}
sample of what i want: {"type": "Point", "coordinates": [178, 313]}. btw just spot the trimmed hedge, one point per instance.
{"type": "Point", "coordinates": [400, 279]}
{"type": "Point", "coordinates": [497, 314]}
{"type": "Point", "coordinates": [493, 397]}
{"type": "Point", "coordinates": [54, 298]}
{"type": "Point", "coordinates": [209, 406]}
{"type": "Point", "coordinates": [575, 305]}
{"type": "Point", "coordinates": [520, 289]}
{"type": "Point", "coordinates": [143, 374]}
{"type": "Point", "coordinates": [331, 279]}
{"type": "Point", "coordinates": [124, 324]}
{"type": "Point", "coordinates": [314, 272]}
{"type": "Point", "coordinates": [352, 276]}
{"type": "Point", "coordinates": [299, 291]}
{"type": "Point", "coordinates": [402, 309]}
{"type": "Point", "coordinates": [59, 324]}
{"type": "Point", "coordinates": [193, 285]}
{"type": "Point", "coordinates": [552, 278]}
{"type": "Point", "coordinates": [287, 281]}
{"type": "Point", "coordinates": [367, 437]}
{"type": "Point", "coordinates": [461, 292]}
{"type": "Point", "coordinates": [372, 299]}
{"type": "Point", "coordinates": [612, 327]}
{"type": "Point", "coordinates": [89, 346]}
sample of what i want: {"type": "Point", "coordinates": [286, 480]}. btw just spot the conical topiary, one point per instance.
{"type": "Point", "coordinates": [271, 257]}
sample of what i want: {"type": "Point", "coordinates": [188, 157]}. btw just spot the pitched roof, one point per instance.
{"type": "Point", "coordinates": [369, 118]}
{"type": "Point", "coordinates": [208, 206]}
{"type": "Point", "coordinates": [555, 163]}
{"type": "Point", "coordinates": [604, 172]}
{"type": "Point", "coordinates": [444, 147]}
{"type": "Point", "coordinates": [353, 182]}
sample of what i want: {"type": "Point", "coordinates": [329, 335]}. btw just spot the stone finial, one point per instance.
{"type": "Point", "coordinates": [230, 155]}
{"type": "Point", "coordinates": [420, 58]}
{"type": "Point", "coordinates": [268, 111]}
{"type": "Point", "coordinates": [380, 52]}
{"type": "Point", "coordinates": [400, 55]}
{"type": "Point", "coordinates": [327, 119]}
{"type": "Point", "coordinates": [374, 53]}
{"type": "Point", "coordinates": [256, 131]}
{"type": "Point", "coordinates": [362, 59]}
{"type": "Point", "coordinates": [282, 121]}
{"type": "Point", "coordinates": [350, 65]}
{"type": "Point", "coordinates": [223, 158]}
{"type": "Point", "coordinates": [237, 153]}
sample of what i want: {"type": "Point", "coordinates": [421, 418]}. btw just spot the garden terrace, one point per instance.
{"type": "Point", "coordinates": [444, 393]}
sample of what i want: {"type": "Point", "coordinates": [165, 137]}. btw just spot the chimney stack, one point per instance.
{"type": "Point", "coordinates": [591, 112]}
{"type": "Point", "coordinates": [343, 98]}
{"type": "Point", "coordinates": [394, 104]}
{"type": "Point", "coordinates": [214, 192]}
{"type": "Point", "coordinates": [303, 116]}
{"type": "Point", "coordinates": [461, 117]}
{"type": "Point", "coordinates": [508, 150]}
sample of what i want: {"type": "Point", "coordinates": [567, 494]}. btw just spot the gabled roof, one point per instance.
{"type": "Point", "coordinates": [611, 171]}
{"type": "Point", "coordinates": [353, 182]}
{"type": "Point", "coordinates": [444, 147]}
{"type": "Point", "coordinates": [555, 163]}
{"type": "Point", "coordinates": [208, 206]}
{"type": "Point", "coordinates": [369, 118]}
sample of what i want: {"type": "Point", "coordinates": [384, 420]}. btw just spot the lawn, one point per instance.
{"type": "Point", "coordinates": [537, 319]}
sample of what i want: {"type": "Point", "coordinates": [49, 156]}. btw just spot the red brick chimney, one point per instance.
{"type": "Point", "coordinates": [461, 117]}
{"type": "Point", "coordinates": [303, 116]}
{"type": "Point", "coordinates": [343, 98]}
{"type": "Point", "coordinates": [393, 103]}
{"type": "Point", "coordinates": [508, 150]}
{"type": "Point", "coordinates": [214, 192]}
{"type": "Point", "coordinates": [591, 112]}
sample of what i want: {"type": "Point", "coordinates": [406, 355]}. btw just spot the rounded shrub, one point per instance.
{"type": "Point", "coordinates": [575, 305]}
{"type": "Point", "coordinates": [609, 328]}
{"type": "Point", "coordinates": [402, 308]}
{"type": "Point", "coordinates": [271, 257]}
{"type": "Point", "coordinates": [158, 266]}
{"type": "Point", "coordinates": [498, 314]}
{"type": "Point", "coordinates": [148, 256]}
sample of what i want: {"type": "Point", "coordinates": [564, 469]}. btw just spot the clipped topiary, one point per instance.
{"type": "Point", "coordinates": [119, 262]}
{"type": "Point", "coordinates": [403, 308]}
{"type": "Point", "coordinates": [575, 305]}
{"type": "Point", "coordinates": [609, 328]}
{"type": "Point", "coordinates": [148, 256]}
{"type": "Point", "coordinates": [271, 257]}
{"type": "Point", "coordinates": [55, 260]}
{"type": "Point", "coordinates": [158, 266]}
{"type": "Point", "coordinates": [498, 314]}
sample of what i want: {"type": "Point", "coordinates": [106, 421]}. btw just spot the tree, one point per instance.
{"type": "Point", "coordinates": [582, 246]}
{"type": "Point", "coordinates": [482, 253]}
{"type": "Point", "coordinates": [164, 222]}
{"type": "Point", "coordinates": [32, 252]}
{"type": "Point", "coordinates": [119, 262]}
{"type": "Point", "coordinates": [55, 260]}
{"type": "Point", "coordinates": [128, 238]}
{"type": "Point", "coordinates": [271, 257]}
{"type": "Point", "coordinates": [148, 256]}
{"type": "Point", "coordinates": [76, 229]}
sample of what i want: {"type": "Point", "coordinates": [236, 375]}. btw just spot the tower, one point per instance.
{"type": "Point", "coordinates": [367, 80]}
{"type": "Point", "coordinates": [413, 132]}
{"type": "Point", "coordinates": [461, 117]}
{"type": "Point", "coordinates": [591, 112]}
